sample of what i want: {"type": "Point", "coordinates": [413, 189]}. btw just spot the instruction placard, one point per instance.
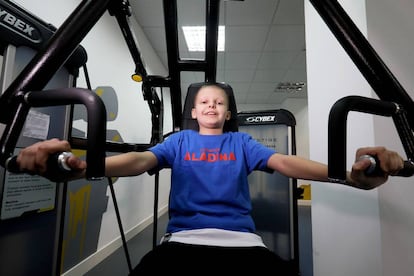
{"type": "Point", "coordinates": [24, 193]}
{"type": "Point", "coordinates": [36, 125]}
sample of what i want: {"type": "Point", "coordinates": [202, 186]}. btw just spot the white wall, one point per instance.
{"type": "Point", "coordinates": [110, 63]}
{"type": "Point", "coordinates": [390, 32]}
{"type": "Point", "coordinates": [346, 226]}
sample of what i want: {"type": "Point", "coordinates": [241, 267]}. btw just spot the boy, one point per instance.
{"type": "Point", "coordinates": [210, 229]}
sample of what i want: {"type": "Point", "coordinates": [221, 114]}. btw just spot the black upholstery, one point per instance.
{"type": "Point", "coordinates": [190, 123]}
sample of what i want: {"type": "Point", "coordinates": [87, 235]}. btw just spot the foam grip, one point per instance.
{"type": "Point", "coordinates": [12, 166]}
{"type": "Point", "coordinates": [407, 170]}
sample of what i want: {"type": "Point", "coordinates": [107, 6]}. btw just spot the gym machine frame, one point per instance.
{"type": "Point", "coordinates": [394, 100]}
{"type": "Point", "coordinates": [15, 102]}
{"type": "Point", "coordinates": [26, 90]}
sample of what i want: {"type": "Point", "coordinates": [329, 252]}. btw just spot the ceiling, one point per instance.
{"type": "Point", "coordinates": [264, 44]}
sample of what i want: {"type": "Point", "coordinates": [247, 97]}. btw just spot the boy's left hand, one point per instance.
{"type": "Point", "coordinates": [390, 163]}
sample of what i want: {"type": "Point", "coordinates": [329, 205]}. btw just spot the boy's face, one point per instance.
{"type": "Point", "coordinates": [211, 109]}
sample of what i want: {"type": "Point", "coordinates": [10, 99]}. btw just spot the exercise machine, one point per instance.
{"type": "Point", "coordinates": [274, 196]}
{"type": "Point", "coordinates": [29, 88]}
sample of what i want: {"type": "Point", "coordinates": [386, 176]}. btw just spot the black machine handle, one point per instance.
{"type": "Point", "coordinates": [96, 131]}
{"type": "Point", "coordinates": [337, 132]}
{"type": "Point", "coordinates": [375, 169]}
{"type": "Point", "coordinates": [16, 100]}
{"type": "Point", "coordinates": [58, 170]}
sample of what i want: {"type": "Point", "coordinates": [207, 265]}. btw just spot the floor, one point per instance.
{"type": "Point", "coordinates": [117, 264]}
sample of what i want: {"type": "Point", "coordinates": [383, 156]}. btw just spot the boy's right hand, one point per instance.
{"type": "Point", "coordinates": [34, 160]}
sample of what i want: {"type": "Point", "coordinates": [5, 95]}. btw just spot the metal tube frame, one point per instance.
{"type": "Point", "coordinates": [381, 79]}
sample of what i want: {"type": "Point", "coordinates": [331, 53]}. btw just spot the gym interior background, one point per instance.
{"type": "Point", "coordinates": [353, 232]}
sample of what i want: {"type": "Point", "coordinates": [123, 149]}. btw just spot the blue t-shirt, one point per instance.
{"type": "Point", "coordinates": [209, 186]}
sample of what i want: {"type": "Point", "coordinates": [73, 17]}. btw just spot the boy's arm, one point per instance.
{"type": "Point", "coordinates": [33, 160]}
{"type": "Point", "coordinates": [300, 168]}
{"type": "Point", "coordinates": [130, 164]}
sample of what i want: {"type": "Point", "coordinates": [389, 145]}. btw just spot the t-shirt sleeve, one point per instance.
{"type": "Point", "coordinates": [257, 154]}
{"type": "Point", "coordinates": [165, 153]}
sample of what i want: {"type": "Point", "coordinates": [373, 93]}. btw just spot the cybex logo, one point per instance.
{"type": "Point", "coordinates": [18, 26]}
{"type": "Point", "coordinates": [260, 119]}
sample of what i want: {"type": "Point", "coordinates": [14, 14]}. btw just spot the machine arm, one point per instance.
{"type": "Point", "coordinates": [96, 124]}
{"type": "Point", "coordinates": [337, 132]}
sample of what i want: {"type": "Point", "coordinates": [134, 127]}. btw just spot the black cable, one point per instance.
{"type": "Point", "coordinates": [110, 183]}
{"type": "Point", "coordinates": [121, 230]}
{"type": "Point", "coordinates": [88, 83]}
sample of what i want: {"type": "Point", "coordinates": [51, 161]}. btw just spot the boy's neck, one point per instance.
{"type": "Point", "coordinates": [210, 131]}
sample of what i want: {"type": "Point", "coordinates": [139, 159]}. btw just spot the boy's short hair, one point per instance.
{"type": "Point", "coordinates": [211, 84]}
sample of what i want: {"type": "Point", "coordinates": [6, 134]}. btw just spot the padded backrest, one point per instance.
{"type": "Point", "coordinates": [190, 123]}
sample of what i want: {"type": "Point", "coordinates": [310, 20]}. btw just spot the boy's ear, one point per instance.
{"type": "Point", "coordinates": [193, 113]}
{"type": "Point", "coordinates": [228, 115]}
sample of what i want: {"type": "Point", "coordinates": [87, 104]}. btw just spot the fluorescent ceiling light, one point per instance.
{"type": "Point", "coordinates": [195, 37]}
